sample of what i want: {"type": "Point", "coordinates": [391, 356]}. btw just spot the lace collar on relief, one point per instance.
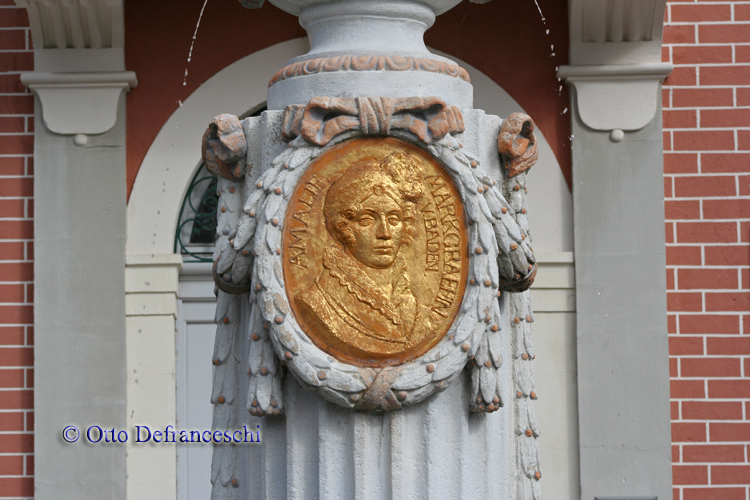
{"type": "Point", "coordinates": [344, 268]}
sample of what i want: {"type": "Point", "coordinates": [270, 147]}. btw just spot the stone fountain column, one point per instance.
{"type": "Point", "coordinates": [451, 419]}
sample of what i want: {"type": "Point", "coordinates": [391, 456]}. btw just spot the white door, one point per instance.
{"type": "Point", "coordinates": [195, 345]}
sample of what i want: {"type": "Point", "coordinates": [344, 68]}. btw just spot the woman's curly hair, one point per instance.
{"type": "Point", "coordinates": [398, 175]}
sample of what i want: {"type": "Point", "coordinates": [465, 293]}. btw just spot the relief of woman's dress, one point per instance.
{"type": "Point", "coordinates": [347, 304]}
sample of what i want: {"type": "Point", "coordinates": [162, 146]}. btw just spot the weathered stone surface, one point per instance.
{"type": "Point", "coordinates": [224, 148]}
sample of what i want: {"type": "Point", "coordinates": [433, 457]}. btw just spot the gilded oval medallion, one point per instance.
{"type": "Point", "coordinates": [375, 252]}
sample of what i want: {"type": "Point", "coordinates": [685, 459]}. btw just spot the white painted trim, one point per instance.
{"type": "Point", "coordinates": [295, 7]}
{"type": "Point", "coordinates": [613, 32]}
{"type": "Point", "coordinates": [93, 24]}
{"type": "Point", "coordinates": [79, 103]}
{"type": "Point", "coordinates": [151, 289]}
{"type": "Point", "coordinates": [549, 198]}
{"type": "Point", "coordinates": [615, 62]}
{"type": "Point", "coordinates": [77, 35]}
{"type": "Point", "coordinates": [171, 161]}
{"type": "Point", "coordinates": [616, 71]}
{"type": "Point", "coordinates": [611, 97]}
{"type": "Point", "coordinates": [555, 257]}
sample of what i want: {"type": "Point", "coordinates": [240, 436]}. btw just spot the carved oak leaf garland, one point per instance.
{"type": "Point", "coordinates": [248, 273]}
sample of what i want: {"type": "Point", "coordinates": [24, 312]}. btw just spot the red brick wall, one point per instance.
{"type": "Point", "coordinates": [707, 190]}
{"type": "Point", "coordinates": [16, 257]}
{"type": "Point", "coordinates": [707, 201]}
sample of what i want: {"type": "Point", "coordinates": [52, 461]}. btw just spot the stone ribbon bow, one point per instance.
{"type": "Point", "coordinates": [429, 118]}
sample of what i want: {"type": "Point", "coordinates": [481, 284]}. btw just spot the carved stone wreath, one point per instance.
{"type": "Point", "coordinates": [248, 273]}
{"type": "Point", "coordinates": [474, 334]}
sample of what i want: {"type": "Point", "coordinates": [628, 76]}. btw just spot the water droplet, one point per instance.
{"type": "Point", "coordinates": [548, 32]}
{"type": "Point", "coordinates": [564, 111]}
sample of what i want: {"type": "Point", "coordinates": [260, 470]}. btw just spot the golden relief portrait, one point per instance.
{"type": "Point", "coordinates": [375, 252]}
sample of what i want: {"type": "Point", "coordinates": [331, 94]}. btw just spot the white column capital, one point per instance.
{"type": "Point", "coordinates": [615, 62]}
{"type": "Point", "coordinates": [79, 60]}
{"type": "Point", "coordinates": [79, 103]}
{"type": "Point", "coordinates": [621, 96]}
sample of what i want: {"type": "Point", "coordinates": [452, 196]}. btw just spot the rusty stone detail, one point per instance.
{"type": "Point", "coordinates": [224, 147]}
{"type": "Point", "coordinates": [516, 144]}
{"type": "Point", "coordinates": [367, 63]}
{"type": "Point", "coordinates": [323, 118]}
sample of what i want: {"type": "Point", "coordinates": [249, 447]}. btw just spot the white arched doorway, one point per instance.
{"type": "Point", "coordinates": [162, 300]}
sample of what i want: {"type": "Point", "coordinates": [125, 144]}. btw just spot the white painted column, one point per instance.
{"type": "Point", "coordinates": [79, 310]}
{"type": "Point", "coordinates": [151, 288]}
{"type": "Point", "coordinates": [79, 230]}
{"type": "Point", "coordinates": [618, 205]}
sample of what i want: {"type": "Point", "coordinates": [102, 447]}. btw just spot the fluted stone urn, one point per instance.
{"type": "Point", "coordinates": [346, 39]}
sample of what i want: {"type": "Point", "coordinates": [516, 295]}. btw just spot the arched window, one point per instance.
{"type": "Point", "coordinates": [196, 227]}
{"type": "Point", "coordinates": [194, 238]}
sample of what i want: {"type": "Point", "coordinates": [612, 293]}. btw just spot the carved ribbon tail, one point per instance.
{"type": "Point", "coordinates": [518, 149]}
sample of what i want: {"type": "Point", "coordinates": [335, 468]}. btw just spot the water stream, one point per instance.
{"type": "Point", "coordinates": [192, 43]}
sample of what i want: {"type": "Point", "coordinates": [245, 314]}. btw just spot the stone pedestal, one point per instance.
{"type": "Point", "coordinates": [463, 424]}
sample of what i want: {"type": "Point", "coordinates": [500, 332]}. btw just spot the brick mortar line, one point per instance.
{"type": "Point", "coordinates": [706, 356]}
{"type": "Point", "coordinates": [695, 129]}
{"type": "Point", "coordinates": [671, 198]}
{"type": "Point", "coordinates": [697, 175]}
{"type": "Point", "coordinates": [668, 221]}
{"type": "Point", "coordinates": [704, 335]}
{"type": "Point", "coordinates": [709, 151]}
{"type": "Point", "coordinates": [711, 65]}
{"type": "Point", "coordinates": [676, 244]}
{"type": "Point", "coordinates": [704, 108]}
{"type": "Point", "coordinates": [700, 400]}
{"type": "Point", "coordinates": [685, 87]}
{"type": "Point", "coordinates": [678, 291]}
{"type": "Point", "coordinates": [685, 378]}
{"type": "Point", "coordinates": [694, 23]}
{"type": "Point", "coordinates": [719, 464]}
